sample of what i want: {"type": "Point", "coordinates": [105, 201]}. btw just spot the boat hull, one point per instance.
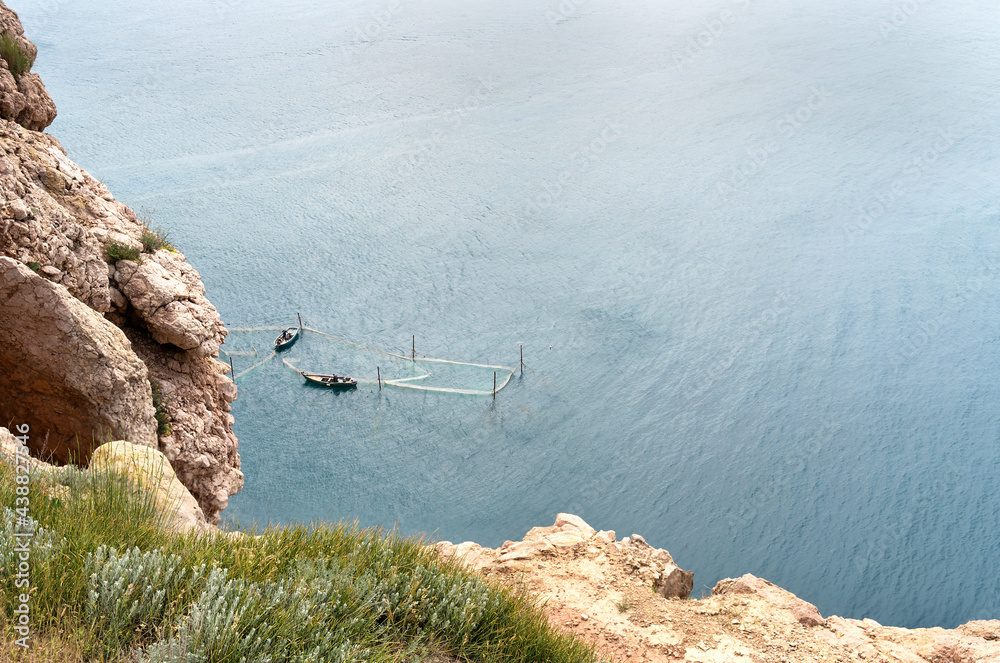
{"type": "Point", "coordinates": [330, 381]}
{"type": "Point", "coordinates": [283, 343]}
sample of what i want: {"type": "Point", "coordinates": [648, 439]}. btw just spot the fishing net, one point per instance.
{"type": "Point", "coordinates": [398, 382]}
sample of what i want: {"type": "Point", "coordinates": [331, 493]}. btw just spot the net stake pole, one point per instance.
{"type": "Point", "coordinates": [231, 369]}
{"type": "Point", "coordinates": [413, 348]}
{"type": "Point", "coordinates": [522, 359]}
{"type": "Point", "coordinates": [494, 385]}
{"type": "Point", "coordinates": [379, 372]}
{"type": "Point", "coordinates": [300, 321]}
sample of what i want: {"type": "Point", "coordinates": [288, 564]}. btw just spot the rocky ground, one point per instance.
{"type": "Point", "coordinates": [611, 593]}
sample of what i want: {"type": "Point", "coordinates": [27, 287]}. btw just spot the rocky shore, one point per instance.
{"type": "Point", "coordinates": [631, 600]}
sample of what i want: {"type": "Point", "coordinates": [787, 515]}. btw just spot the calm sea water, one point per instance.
{"type": "Point", "coordinates": [750, 248]}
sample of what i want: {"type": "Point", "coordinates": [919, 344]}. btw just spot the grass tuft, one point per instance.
{"type": "Point", "coordinates": [17, 60]}
{"type": "Point", "coordinates": [153, 238]}
{"type": "Point", "coordinates": [116, 251]}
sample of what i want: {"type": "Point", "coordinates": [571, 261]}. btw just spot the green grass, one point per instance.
{"type": "Point", "coordinates": [17, 60]}
{"type": "Point", "coordinates": [162, 416]}
{"type": "Point", "coordinates": [153, 238]}
{"type": "Point", "coordinates": [116, 251]}
{"type": "Point", "coordinates": [108, 579]}
{"type": "Point", "coordinates": [34, 266]}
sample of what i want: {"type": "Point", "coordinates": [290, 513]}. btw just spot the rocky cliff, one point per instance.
{"type": "Point", "coordinates": [630, 600]}
{"type": "Point", "coordinates": [91, 313]}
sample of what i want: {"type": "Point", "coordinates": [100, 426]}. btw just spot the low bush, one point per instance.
{"type": "Point", "coordinates": [153, 238]}
{"type": "Point", "coordinates": [17, 60]}
{"type": "Point", "coordinates": [116, 251]}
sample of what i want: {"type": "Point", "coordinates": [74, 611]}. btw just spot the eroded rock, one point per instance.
{"type": "Point", "coordinates": [674, 582]}
{"type": "Point", "coordinates": [24, 99]}
{"type": "Point", "coordinates": [201, 445]}
{"type": "Point", "coordinates": [804, 612]}
{"type": "Point", "coordinates": [167, 294]}
{"type": "Point", "coordinates": [66, 371]}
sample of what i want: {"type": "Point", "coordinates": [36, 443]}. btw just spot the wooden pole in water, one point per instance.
{"type": "Point", "coordinates": [522, 359]}
{"type": "Point", "coordinates": [379, 372]}
{"type": "Point", "coordinates": [413, 349]}
{"type": "Point", "coordinates": [300, 321]}
{"type": "Point", "coordinates": [494, 385]}
{"type": "Point", "coordinates": [231, 369]}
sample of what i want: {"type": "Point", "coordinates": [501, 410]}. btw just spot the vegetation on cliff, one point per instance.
{"type": "Point", "coordinates": [109, 584]}
{"type": "Point", "coordinates": [17, 60]}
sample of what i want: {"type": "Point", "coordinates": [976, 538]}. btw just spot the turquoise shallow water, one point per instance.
{"type": "Point", "coordinates": [751, 250]}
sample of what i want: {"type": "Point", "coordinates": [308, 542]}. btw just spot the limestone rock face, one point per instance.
{"type": "Point", "coordinates": [568, 531]}
{"type": "Point", "coordinates": [23, 100]}
{"type": "Point", "coordinates": [201, 445]}
{"type": "Point", "coordinates": [806, 613]}
{"type": "Point", "coordinates": [66, 371]}
{"type": "Point", "coordinates": [167, 294]}
{"type": "Point", "coordinates": [10, 449]}
{"type": "Point", "coordinates": [39, 109]}
{"type": "Point", "coordinates": [151, 469]}
{"type": "Point", "coordinates": [57, 218]}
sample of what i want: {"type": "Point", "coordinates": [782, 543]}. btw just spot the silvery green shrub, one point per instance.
{"type": "Point", "coordinates": [132, 590]}
{"type": "Point", "coordinates": [264, 622]}
{"type": "Point", "coordinates": [42, 542]}
{"type": "Point", "coordinates": [426, 599]}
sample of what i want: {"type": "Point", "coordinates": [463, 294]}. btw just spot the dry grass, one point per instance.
{"type": "Point", "coordinates": [51, 648]}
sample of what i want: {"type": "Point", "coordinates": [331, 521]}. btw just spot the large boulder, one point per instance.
{"type": "Point", "coordinates": [168, 295]}
{"type": "Point", "coordinates": [23, 99]}
{"type": "Point", "coordinates": [151, 470]}
{"type": "Point", "coordinates": [674, 582]}
{"type": "Point", "coordinates": [66, 371]}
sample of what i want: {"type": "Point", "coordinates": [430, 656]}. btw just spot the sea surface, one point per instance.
{"type": "Point", "coordinates": [751, 251]}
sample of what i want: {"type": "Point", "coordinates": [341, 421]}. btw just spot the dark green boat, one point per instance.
{"type": "Point", "coordinates": [336, 381]}
{"type": "Point", "coordinates": [286, 338]}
